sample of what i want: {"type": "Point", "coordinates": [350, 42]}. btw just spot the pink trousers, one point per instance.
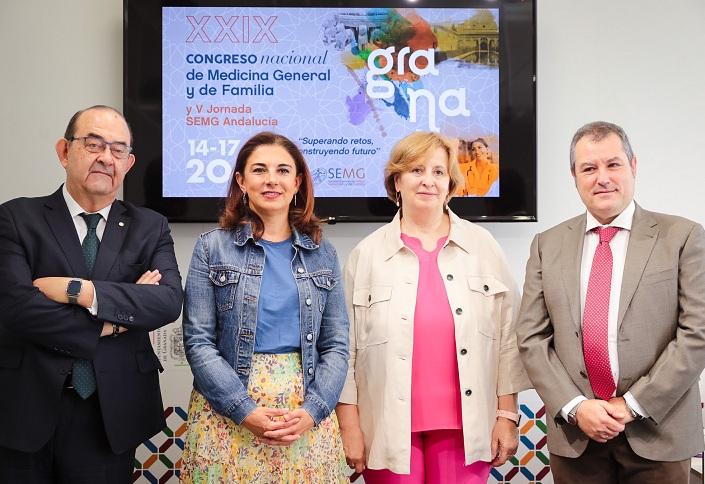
{"type": "Point", "coordinates": [437, 457]}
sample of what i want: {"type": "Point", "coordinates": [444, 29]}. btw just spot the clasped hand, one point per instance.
{"type": "Point", "coordinates": [278, 426]}
{"type": "Point", "coordinates": [603, 420]}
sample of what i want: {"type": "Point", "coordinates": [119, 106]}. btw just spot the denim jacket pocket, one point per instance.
{"type": "Point", "coordinates": [225, 280]}
{"type": "Point", "coordinates": [324, 281]}
{"type": "Point", "coordinates": [371, 313]}
{"type": "Point", "coordinates": [487, 295]}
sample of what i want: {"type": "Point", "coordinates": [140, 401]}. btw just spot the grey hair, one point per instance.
{"type": "Point", "coordinates": [597, 131]}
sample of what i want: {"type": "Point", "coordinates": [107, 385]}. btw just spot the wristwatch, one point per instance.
{"type": "Point", "coordinates": [571, 415]}
{"type": "Point", "coordinates": [635, 415]}
{"type": "Point", "coordinates": [73, 290]}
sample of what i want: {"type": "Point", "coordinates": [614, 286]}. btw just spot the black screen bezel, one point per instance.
{"type": "Point", "coordinates": [143, 101]}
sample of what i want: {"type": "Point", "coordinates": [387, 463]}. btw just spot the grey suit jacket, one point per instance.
{"type": "Point", "coordinates": [661, 336]}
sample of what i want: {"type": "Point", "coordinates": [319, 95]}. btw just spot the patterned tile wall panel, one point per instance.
{"type": "Point", "coordinates": [157, 460]}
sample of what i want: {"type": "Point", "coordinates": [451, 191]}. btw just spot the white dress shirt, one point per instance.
{"type": "Point", "coordinates": [618, 245]}
{"type": "Point", "coordinates": [79, 223]}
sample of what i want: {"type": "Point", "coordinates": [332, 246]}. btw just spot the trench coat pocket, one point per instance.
{"type": "Point", "coordinates": [371, 314]}
{"type": "Point", "coordinates": [487, 294]}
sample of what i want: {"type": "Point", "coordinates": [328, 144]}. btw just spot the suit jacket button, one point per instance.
{"type": "Point", "coordinates": [468, 392]}
{"type": "Point", "coordinates": [459, 311]}
{"type": "Point", "coordinates": [131, 318]}
{"type": "Point", "coordinates": [449, 277]}
{"type": "Point", "coordinates": [463, 351]}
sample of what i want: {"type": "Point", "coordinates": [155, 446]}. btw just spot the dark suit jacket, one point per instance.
{"type": "Point", "coordinates": [661, 335]}
{"type": "Point", "coordinates": [39, 339]}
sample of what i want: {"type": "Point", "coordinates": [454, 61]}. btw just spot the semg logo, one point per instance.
{"type": "Point", "coordinates": [346, 173]}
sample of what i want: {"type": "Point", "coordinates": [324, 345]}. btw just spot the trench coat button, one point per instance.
{"type": "Point", "coordinates": [463, 352]}
{"type": "Point", "coordinates": [222, 278]}
{"type": "Point", "coordinates": [309, 337]}
{"type": "Point", "coordinates": [300, 270]}
{"type": "Point", "coordinates": [310, 371]}
{"type": "Point", "coordinates": [308, 301]}
{"type": "Point", "coordinates": [449, 277]}
{"type": "Point", "coordinates": [583, 374]}
{"type": "Point", "coordinates": [459, 311]}
{"type": "Point", "coordinates": [468, 392]}
{"type": "Point", "coordinates": [486, 287]}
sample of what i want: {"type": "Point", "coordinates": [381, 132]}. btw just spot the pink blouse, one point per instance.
{"type": "Point", "coordinates": [435, 385]}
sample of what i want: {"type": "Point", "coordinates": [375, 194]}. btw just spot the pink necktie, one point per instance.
{"type": "Point", "coordinates": [595, 317]}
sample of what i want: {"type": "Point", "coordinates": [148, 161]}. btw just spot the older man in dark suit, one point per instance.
{"type": "Point", "coordinates": [611, 328]}
{"type": "Point", "coordinates": [86, 277]}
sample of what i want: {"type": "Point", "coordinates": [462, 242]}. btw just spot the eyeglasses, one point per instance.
{"type": "Point", "coordinates": [96, 144]}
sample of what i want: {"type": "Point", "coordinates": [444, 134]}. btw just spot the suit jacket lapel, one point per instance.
{"type": "Point", "coordinates": [113, 237]}
{"type": "Point", "coordinates": [571, 256]}
{"type": "Point", "coordinates": [641, 243]}
{"type": "Point", "coordinates": [59, 220]}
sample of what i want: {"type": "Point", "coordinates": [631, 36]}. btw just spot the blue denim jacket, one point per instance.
{"type": "Point", "coordinates": [220, 319]}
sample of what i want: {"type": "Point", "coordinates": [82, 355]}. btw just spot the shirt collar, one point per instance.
{"type": "Point", "coordinates": [393, 242]}
{"type": "Point", "coordinates": [75, 209]}
{"type": "Point", "coordinates": [623, 220]}
{"type": "Point", "coordinates": [243, 233]}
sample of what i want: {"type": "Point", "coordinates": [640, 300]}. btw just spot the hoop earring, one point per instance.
{"type": "Point", "coordinates": [398, 199]}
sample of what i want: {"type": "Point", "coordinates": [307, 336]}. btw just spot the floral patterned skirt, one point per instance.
{"type": "Point", "coordinates": [217, 450]}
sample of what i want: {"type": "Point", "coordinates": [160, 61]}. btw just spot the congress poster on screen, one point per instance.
{"type": "Point", "coordinates": [344, 84]}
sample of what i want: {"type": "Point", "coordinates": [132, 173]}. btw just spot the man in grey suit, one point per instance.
{"type": "Point", "coordinates": [611, 328]}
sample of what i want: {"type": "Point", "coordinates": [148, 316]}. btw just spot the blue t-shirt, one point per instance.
{"type": "Point", "coordinates": [278, 310]}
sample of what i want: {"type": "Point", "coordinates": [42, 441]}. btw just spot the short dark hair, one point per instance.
{"type": "Point", "coordinates": [71, 127]}
{"type": "Point", "coordinates": [597, 131]}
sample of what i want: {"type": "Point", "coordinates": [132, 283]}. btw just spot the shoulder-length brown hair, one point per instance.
{"type": "Point", "coordinates": [301, 215]}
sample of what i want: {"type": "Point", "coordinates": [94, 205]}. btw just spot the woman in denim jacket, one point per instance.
{"type": "Point", "coordinates": [265, 331]}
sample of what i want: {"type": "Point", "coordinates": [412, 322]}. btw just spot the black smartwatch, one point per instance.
{"type": "Point", "coordinates": [73, 290]}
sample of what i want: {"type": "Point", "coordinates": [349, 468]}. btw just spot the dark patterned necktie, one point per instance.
{"type": "Point", "coordinates": [83, 375]}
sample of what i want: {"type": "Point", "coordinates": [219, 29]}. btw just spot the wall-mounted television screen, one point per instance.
{"type": "Point", "coordinates": [345, 80]}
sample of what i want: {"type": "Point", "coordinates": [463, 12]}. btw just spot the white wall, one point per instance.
{"type": "Point", "coordinates": [638, 63]}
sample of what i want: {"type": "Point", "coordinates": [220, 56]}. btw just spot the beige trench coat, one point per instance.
{"type": "Point", "coordinates": [381, 280]}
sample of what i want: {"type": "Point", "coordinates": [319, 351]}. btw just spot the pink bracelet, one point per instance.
{"type": "Point", "coordinates": [514, 417]}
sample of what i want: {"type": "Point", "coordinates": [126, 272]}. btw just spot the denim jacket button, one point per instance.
{"type": "Point", "coordinates": [308, 301]}
{"type": "Point", "coordinates": [310, 371]}
{"type": "Point", "coordinates": [222, 278]}
{"type": "Point", "coordinates": [309, 337]}
{"type": "Point", "coordinates": [300, 270]}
